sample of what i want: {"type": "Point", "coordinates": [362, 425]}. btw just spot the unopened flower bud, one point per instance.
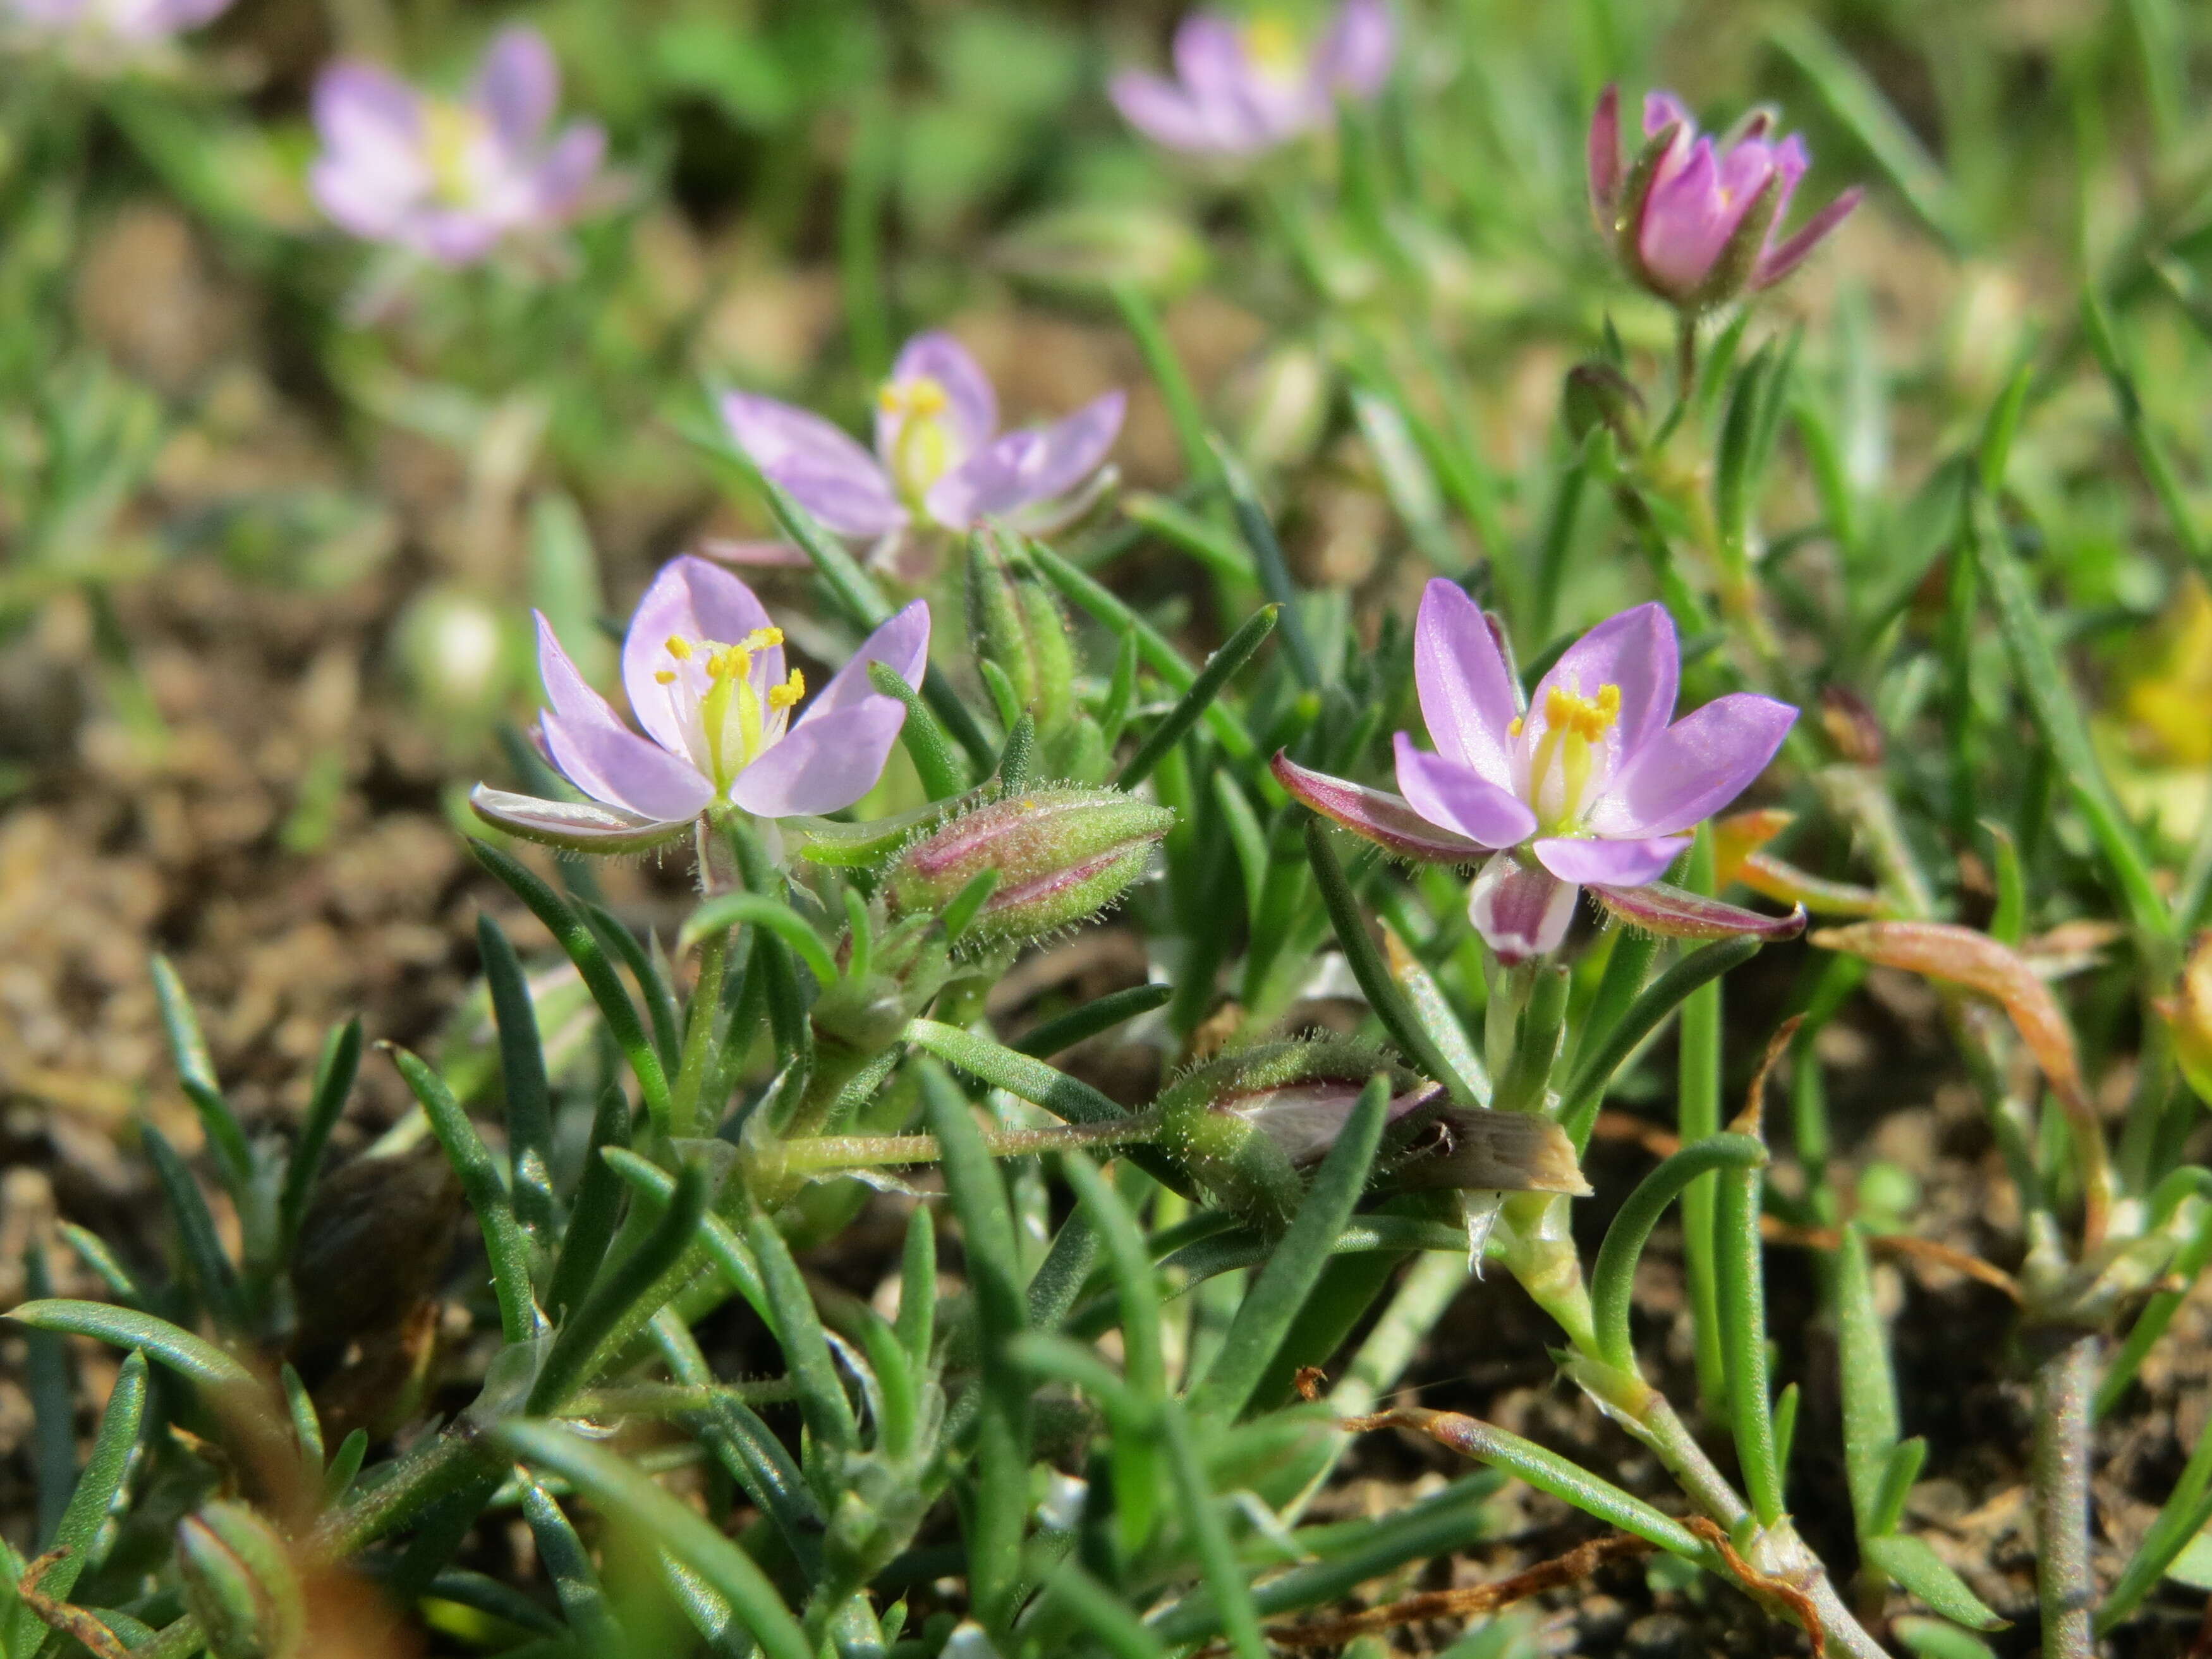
{"type": "Point", "coordinates": [1061, 856]}
{"type": "Point", "coordinates": [1015, 622]}
{"type": "Point", "coordinates": [240, 1583]}
{"type": "Point", "coordinates": [2188, 1011]}
{"type": "Point", "coordinates": [1598, 394]}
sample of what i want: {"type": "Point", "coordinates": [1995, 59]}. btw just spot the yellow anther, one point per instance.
{"type": "Point", "coordinates": [1565, 710]}
{"type": "Point", "coordinates": [921, 396]}
{"type": "Point", "coordinates": [665, 676]}
{"type": "Point", "coordinates": [787, 695]}
{"type": "Point", "coordinates": [679, 647]}
{"type": "Point", "coordinates": [1271, 43]}
{"type": "Point", "coordinates": [760, 639]}
{"type": "Point", "coordinates": [1514, 730]}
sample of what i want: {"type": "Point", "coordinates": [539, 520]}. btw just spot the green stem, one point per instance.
{"type": "Point", "coordinates": [2064, 1588]}
{"type": "Point", "coordinates": [1698, 1118]}
{"type": "Point", "coordinates": [700, 1051]}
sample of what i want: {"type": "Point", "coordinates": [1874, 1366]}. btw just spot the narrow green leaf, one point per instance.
{"type": "Point", "coordinates": [306, 1427]}
{"type": "Point", "coordinates": [1152, 646]}
{"type": "Point", "coordinates": [190, 1356]}
{"type": "Point", "coordinates": [1185, 413]}
{"type": "Point", "coordinates": [942, 775]}
{"type": "Point", "coordinates": [1273, 1304]}
{"type": "Point", "coordinates": [917, 1308]}
{"type": "Point", "coordinates": [1202, 538]}
{"type": "Point", "coordinates": [1741, 1285]}
{"type": "Point", "coordinates": [1063, 1032]}
{"type": "Point", "coordinates": [569, 1564]}
{"type": "Point", "coordinates": [344, 1465]}
{"type": "Point", "coordinates": [1903, 1468]}
{"type": "Point", "coordinates": [1219, 669]}
{"type": "Point", "coordinates": [1001, 1501]}
{"type": "Point", "coordinates": [226, 1136]}
{"type": "Point", "coordinates": [1913, 1563]}
{"type": "Point", "coordinates": [731, 1256]}
{"type": "Point", "coordinates": [594, 1211]}
{"type": "Point", "coordinates": [734, 1435]}
{"type": "Point", "coordinates": [2150, 450]}
{"type": "Point", "coordinates": [960, 913]}
{"type": "Point", "coordinates": [574, 938]}
{"type": "Point", "coordinates": [86, 1511]}
{"type": "Point", "coordinates": [728, 910]}
{"type": "Point", "coordinates": [334, 1080]}
{"type": "Point", "coordinates": [625, 1494]}
{"type": "Point", "coordinates": [822, 1398]}
{"type": "Point", "coordinates": [653, 985]}
{"type": "Point", "coordinates": [1372, 973]}
{"type": "Point", "coordinates": [522, 1071]}
{"type": "Point", "coordinates": [2049, 693]}
{"type": "Point", "coordinates": [617, 1298]}
{"type": "Point", "coordinates": [1858, 103]}
{"type": "Point", "coordinates": [1612, 1277]}
{"type": "Point", "coordinates": [1586, 1086]}
{"type": "Point", "coordinates": [1258, 533]}
{"type": "Point", "coordinates": [1221, 1572]}
{"type": "Point", "coordinates": [1871, 1425]}
{"type": "Point", "coordinates": [479, 1176]}
{"type": "Point", "coordinates": [212, 1275]}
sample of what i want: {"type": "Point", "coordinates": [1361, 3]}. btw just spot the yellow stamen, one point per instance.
{"type": "Point", "coordinates": [760, 639]}
{"type": "Point", "coordinates": [1573, 725]}
{"type": "Point", "coordinates": [1514, 730]}
{"type": "Point", "coordinates": [1272, 44]}
{"type": "Point", "coordinates": [665, 676]}
{"type": "Point", "coordinates": [788, 694]}
{"type": "Point", "coordinates": [923, 395]}
{"type": "Point", "coordinates": [679, 647]}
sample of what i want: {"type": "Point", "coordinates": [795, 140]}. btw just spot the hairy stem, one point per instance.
{"type": "Point", "coordinates": [2064, 1588]}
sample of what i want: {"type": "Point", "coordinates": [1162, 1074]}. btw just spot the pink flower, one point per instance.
{"type": "Point", "coordinates": [1593, 784]}
{"type": "Point", "coordinates": [1241, 90]}
{"type": "Point", "coordinates": [1695, 223]}
{"type": "Point", "coordinates": [705, 672]}
{"type": "Point", "coordinates": [940, 459]}
{"type": "Point", "coordinates": [121, 22]}
{"type": "Point", "coordinates": [451, 178]}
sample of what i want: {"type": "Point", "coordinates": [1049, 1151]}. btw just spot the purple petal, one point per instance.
{"type": "Point", "coordinates": [1615, 863]}
{"type": "Point", "coordinates": [1354, 55]}
{"type": "Point", "coordinates": [1462, 800]}
{"type": "Point", "coordinates": [903, 642]}
{"type": "Point", "coordinates": [372, 166]}
{"type": "Point", "coordinates": [565, 171]}
{"type": "Point", "coordinates": [602, 757]}
{"type": "Point", "coordinates": [1167, 115]}
{"type": "Point", "coordinates": [1604, 151]}
{"type": "Point", "coordinates": [693, 601]}
{"type": "Point", "coordinates": [1790, 160]}
{"type": "Point", "coordinates": [580, 826]}
{"type": "Point", "coordinates": [1658, 909]}
{"type": "Point", "coordinates": [1694, 768]}
{"type": "Point", "coordinates": [1028, 467]}
{"type": "Point", "coordinates": [519, 85]}
{"type": "Point", "coordinates": [453, 236]}
{"type": "Point", "coordinates": [1662, 110]}
{"type": "Point", "coordinates": [1686, 222]}
{"type": "Point", "coordinates": [1387, 820]}
{"type": "Point", "coordinates": [823, 764]}
{"type": "Point", "coordinates": [974, 406]}
{"type": "Point", "coordinates": [1786, 256]}
{"type": "Point", "coordinates": [831, 475]}
{"type": "Point", "coordinates": [1210, 58]}
{"type": "Point", "coordinates": [1467, 695]}
{"type": "Point", "coordinates": [1520, 909]}
{"type": "Point", "coordinates": [1635, 651]}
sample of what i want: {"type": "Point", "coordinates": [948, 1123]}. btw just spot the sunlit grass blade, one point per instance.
{"type": "Point", "coordinates": [213, 1278]}
{"type": "Point", "coordinates": [190, 1356]}
{"type": "Point", "coordinates": [226, 1136]}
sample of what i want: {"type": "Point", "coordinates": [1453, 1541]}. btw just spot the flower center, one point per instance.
{"type": "Point", "coordinates": [1574, 727]}
{"type": "Point", "coordinates": [734, 717]}
{"type": "Point", "coordinates": [455, 137]}
{"type": "Point", "coordinates": [1272, 46]}
{"type": "Point", "coordinates": [922, 451]}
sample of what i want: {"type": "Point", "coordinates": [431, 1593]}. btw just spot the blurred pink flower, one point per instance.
{"type": "Point", "coordinates": [1238, 91]}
